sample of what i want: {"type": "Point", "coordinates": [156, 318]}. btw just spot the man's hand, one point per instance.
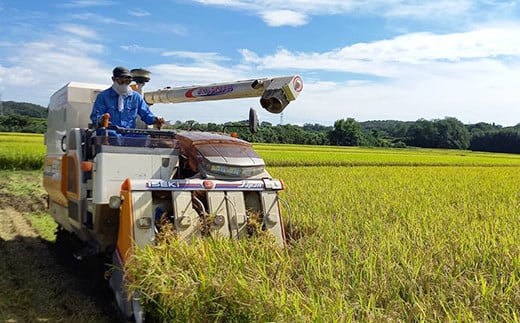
{"type": "Point", "coordinates": [159, 122]}
{"type": "Point", "coordinates": [104, 121]}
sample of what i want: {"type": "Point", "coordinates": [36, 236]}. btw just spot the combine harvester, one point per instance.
{"type": "Point", "coordinates": [109, 194]}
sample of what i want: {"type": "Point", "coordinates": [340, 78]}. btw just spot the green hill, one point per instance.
{"type": "Point", "coordinates": [23, 109]}
{"type": "Point", "coordinates": [22, 117]}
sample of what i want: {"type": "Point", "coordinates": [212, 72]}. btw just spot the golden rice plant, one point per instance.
{"type": "Point", "coordinates": [21, 151]}
{"type": "Point", "coordinates": [406, 235]}
{"type": "Point", "coordinates": [369, 244]}
{"type": "Point", "coordinates": [301, 155]}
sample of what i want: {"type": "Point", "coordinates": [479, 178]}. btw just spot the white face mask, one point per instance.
{"type": "Point", "coordinates": [121, 89]}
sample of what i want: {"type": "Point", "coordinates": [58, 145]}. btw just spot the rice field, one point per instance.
{"type": "Point", "coordinates": [376, 235]}
{"type": "Point", "coordinates": [435, 240]}
{"type": "Point", "coordinates": [21, 151]}
{"type": "Point", "coordinates": [300, 155]}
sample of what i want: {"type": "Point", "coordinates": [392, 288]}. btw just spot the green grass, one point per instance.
{"type": "Point", "coordinates": [26, 187]}
{"type": "Point", "coordinates": [22, 183]}
{"type": "Point", "coordinates": [44, 224]}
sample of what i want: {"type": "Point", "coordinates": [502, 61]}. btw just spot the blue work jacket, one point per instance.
{"type": "Point", "coordinates": [134, 104]}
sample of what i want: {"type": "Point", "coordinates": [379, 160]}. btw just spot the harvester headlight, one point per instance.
{"type": "Point", "coordinates": [232, 171]}
{"type": "Point", "coordinates": [225, 170]}
{"type": "Point", "coordinates": [114, 202]}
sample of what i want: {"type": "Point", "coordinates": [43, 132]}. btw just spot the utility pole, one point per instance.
{"type": "Point", "coordinates": [281, 119]}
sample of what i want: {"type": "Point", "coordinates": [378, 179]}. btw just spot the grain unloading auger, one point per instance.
{"type": "Point", "coordinates": [113, 192]}
{"type": "Point", "coordinates": [275, 93]}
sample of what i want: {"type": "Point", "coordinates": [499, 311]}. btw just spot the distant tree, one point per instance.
{"type": "Point", "coordinates": [345, 133]}
{"type": "Point", "coordinates": [22, 117]}
{"type": "Point", "coordinates": [481, 127]}
{"type": "Point", "coordinates": [422, 134]}
{"type": "Point", "coordinates": [36, 125]}
{"type": "Point", "coordinates": [192, 125]}
{"type": "Point", "coordinates": [371, 138]}
{"type": "Point", "coordinates": [399, 130]}
{"type": "Point", "coordinates": [14, 123]}
{"type": "Point", "coordinates": [506, 140]}
{"type": "Point", "coordinates": [177, 124]}
{"type": "Point", "coordinates": [451, 134]}
{"type": "Point", "coordinates": [315, 127]}
{"type": "Point", "coordinates": [317, 138]}
{"type": "Point", "coordinates": [18, 123]}
{"type": "Point", "coordinates": [387, 128]}
{"type": "Point", "coordinates": [446, 133]}
{"type": "Point", "coordinates": [265, 134]}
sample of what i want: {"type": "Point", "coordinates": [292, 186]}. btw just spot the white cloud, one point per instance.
{"type": "Point", "coordinates": [38, 69]}
{"type": "Point", "coordinates": [16, 76]}
{"type": "Point", "coordinates": [471, 75]}
{"type": "Point", "coordinates": [78, 30]}
{"type": "Point", "coordinates": [134, 48]}
{"type": "Point", "coordinates": [486, 93]}
{"type": "Point", "coordinates": [426, 9]}
{"type": "Point", "coordinates": [300, 9]}
{"type": "Point", "coordinates": [139, 12]}
{"type": "Point", "coordinates": [93, 18]}
{"type": "Point", "coordinates": [197, 73]}
{"type": "Point", "coordinates": [197, 56]}
{"type": "Point", "coordinates": [317, 6]}
{"type": "Point", "coordinates": [277, 18]}
{"type": "Point", "coordinates": [473, 91]}
{"type": "Point", "coordinates": [86, 3]}
{"type": "Point", "coordinates": [164, 28]}
{"type": "Point", "coordinates": [391, 57]}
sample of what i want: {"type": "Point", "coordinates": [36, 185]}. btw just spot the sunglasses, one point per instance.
{"type": "Point", "coordinates": [121, 81]}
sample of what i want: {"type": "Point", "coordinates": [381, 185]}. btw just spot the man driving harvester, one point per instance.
{"type": "Point", "coordinates": [122, 104]}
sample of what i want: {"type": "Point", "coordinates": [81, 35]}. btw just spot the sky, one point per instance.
{"type": "Point", "coordinates": [362, 59]}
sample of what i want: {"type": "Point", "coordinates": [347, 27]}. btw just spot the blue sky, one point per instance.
{"type": "Point", "coordinates": [365, 59]}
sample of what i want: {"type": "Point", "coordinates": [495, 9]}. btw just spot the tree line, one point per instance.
{"type": "Point", "coordinates": [22, 117]}
{"type": "Point", "coordinates": [448, 133]}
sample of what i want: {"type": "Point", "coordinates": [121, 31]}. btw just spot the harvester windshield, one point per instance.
{"type": "Point", "coordinates": [217, 155]}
